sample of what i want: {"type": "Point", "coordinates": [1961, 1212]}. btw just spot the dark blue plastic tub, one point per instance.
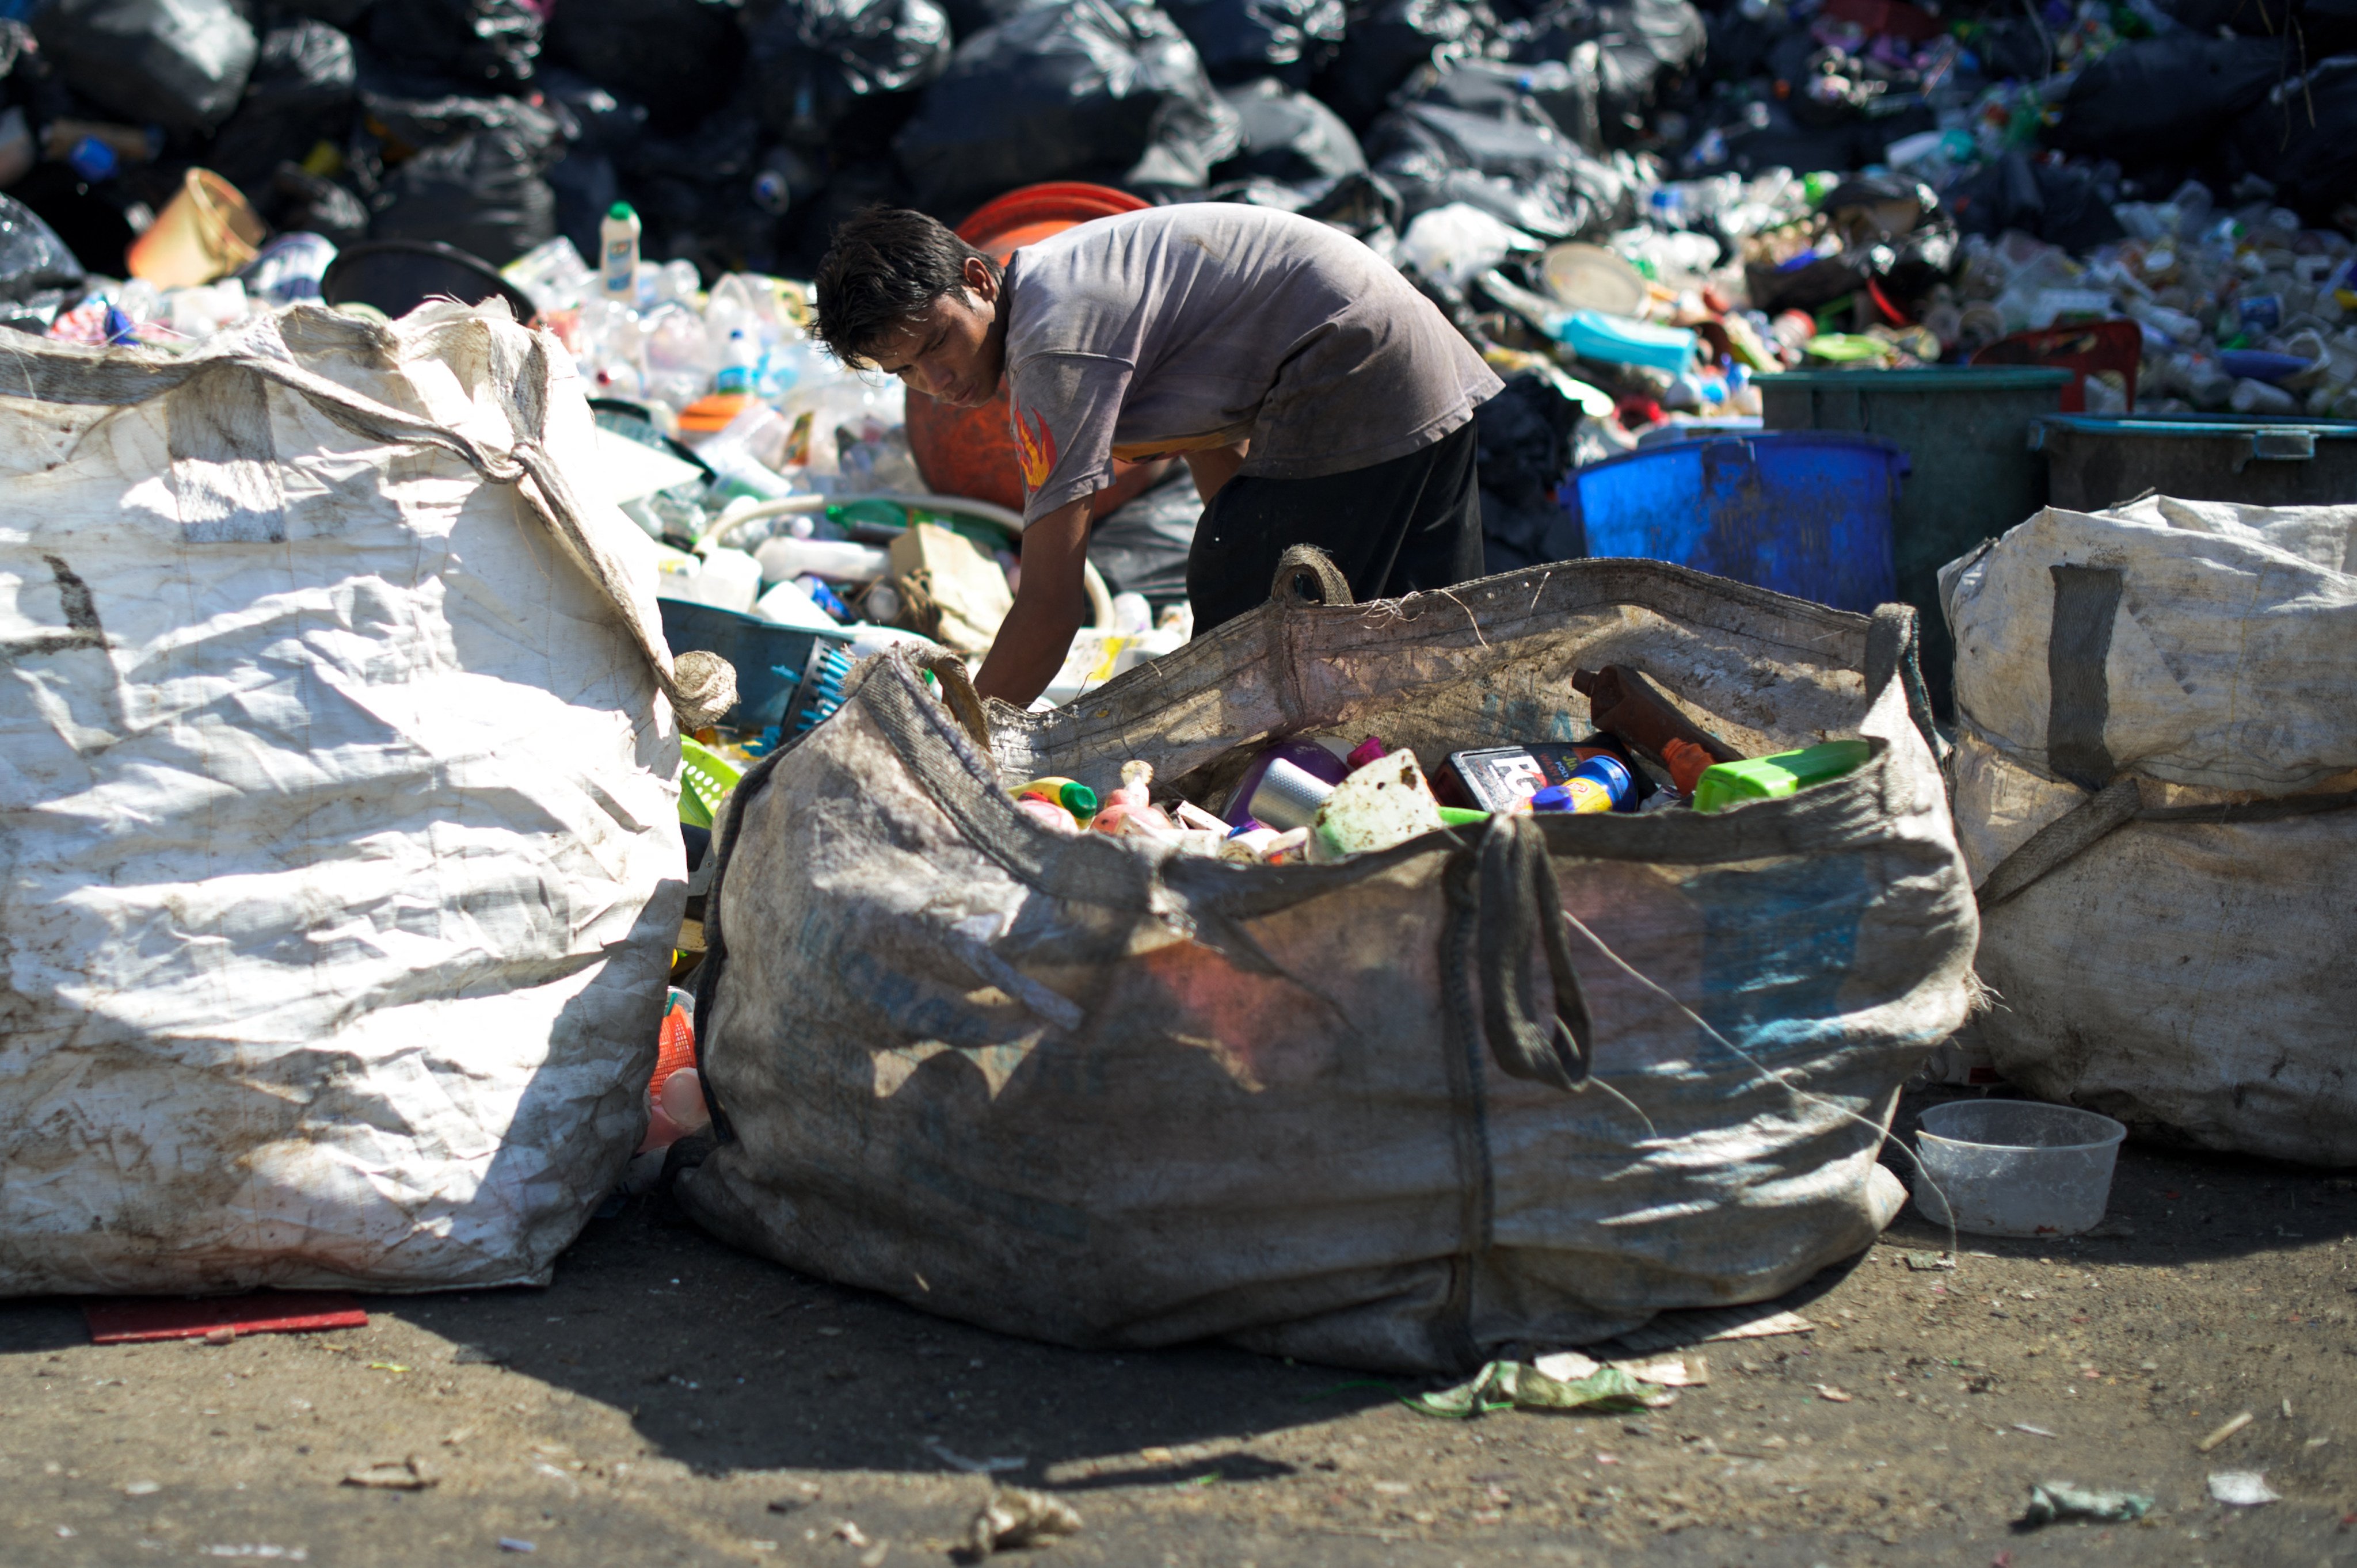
{"type": "Point", "coordinates": [1805, 512]}
{"type": "Point", "coordinates": [769, 657]}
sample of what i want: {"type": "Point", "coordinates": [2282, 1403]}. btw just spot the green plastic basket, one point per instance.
{"type": "Point", "coordinates": [704, 779]}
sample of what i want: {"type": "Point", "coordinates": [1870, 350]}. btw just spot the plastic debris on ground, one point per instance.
{"type": "Point", "coordinates": [1015, 1518]}
{"type": "Point", "coordinates": [2055, 1501]}
{"type": "Point", "coordinates": [1647, 204]}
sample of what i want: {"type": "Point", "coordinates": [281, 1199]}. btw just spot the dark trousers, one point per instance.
{"type": "Point", "coordinates": [1412, 523]}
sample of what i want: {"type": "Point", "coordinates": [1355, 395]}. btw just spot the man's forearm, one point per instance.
{"type": "Point", "coordinates": [1050, 605]}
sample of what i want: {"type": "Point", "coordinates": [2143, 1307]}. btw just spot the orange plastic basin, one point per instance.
{"type": "Point", "coordinates": [970, 451]}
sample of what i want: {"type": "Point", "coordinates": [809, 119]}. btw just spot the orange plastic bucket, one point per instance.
{"type": "Point", "coordinates": [970, 451]}
{"type": "Point", "coordinates": [207, 231]}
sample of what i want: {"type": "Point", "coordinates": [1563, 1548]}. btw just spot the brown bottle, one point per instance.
{"type": "Point", "coordinates": [1622, 699]}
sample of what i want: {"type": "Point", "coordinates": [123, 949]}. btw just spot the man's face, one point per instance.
{"type": "Point", "coordinates": [953, 351]}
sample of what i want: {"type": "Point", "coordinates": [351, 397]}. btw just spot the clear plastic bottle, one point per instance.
{"type": "Point", "coordinates": [618, 246]}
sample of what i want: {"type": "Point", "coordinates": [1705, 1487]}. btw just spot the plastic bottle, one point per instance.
{"type": "Point", "coordinates": [740, 362]}
{"type": "Point", "coordinates": [1068, 794]}
{"type": "Point", "coordinates": [1598, 784]}
{"type": "Point", "coordinates": [1622, 699]}
{"type": "Point", "coordinates": [618, 252]}
{"type": "Point", "coordinates": [837, 559]}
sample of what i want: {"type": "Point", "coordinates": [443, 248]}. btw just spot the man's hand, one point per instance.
{"type": "Point", "coordinates": [1051, 602]}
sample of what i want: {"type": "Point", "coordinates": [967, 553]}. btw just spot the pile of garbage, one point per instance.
{"type": "Point", "coordinates": [1635, 208]}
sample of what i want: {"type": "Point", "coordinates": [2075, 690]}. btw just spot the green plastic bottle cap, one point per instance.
{"type": "Point", "coordinates": [1726, 784]}
{"type": "Point", "coordinates": [621, 210]}
{"type": "Point", "coordinates": [1079, 799]}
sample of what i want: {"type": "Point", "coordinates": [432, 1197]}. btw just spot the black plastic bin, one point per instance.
{"type": "Point", "coordinates": [2098, 460]}
{"type": "Point", "coordinates": [769, 659]}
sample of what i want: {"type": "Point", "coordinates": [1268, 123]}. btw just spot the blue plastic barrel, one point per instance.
{"type": "Point", "coordinates": [1805, 512]}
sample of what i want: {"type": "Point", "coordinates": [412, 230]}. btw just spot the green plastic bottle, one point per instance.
{"type": "Point", "coordinates": [1725, 784]}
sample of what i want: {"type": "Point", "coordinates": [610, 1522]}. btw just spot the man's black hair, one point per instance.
{"type": "Point", "coordinates": [884, 265]}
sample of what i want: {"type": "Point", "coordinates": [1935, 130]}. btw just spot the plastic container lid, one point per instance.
{"type": "Point", "coordinates": [2163, 425]}
{"type": "Point", "coordinates": [1589, 277]}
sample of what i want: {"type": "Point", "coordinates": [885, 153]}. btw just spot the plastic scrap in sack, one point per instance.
{"type": "Point", "coordinates": [442, 1114]}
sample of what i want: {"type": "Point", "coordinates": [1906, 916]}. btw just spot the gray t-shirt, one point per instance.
{"type": "Point", "coordinates": [1184, 328]}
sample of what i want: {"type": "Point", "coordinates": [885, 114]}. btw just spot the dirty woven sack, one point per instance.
{"type": "Point", "coordinates": [1073, 1089]}
{"type": "Point", "coordinates": [342, 863]}
{"type": "Point", "coordinates": [2156, 763]}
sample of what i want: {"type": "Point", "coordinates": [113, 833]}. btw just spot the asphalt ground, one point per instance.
{"type": "Point", "coordinates": [668, 1401]}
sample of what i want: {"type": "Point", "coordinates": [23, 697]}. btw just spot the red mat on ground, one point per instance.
{"type": "Point", "coordinates": [129, 1321]}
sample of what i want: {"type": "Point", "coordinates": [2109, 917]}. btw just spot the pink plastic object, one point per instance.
{"type": "Point", "coordinates": [1131, 804]}
{"type": "Point", "coordinates": [1049, 814]}
{"type": "Point", "coordinates": [682, 1101]}
{"type": "Point", "coordinates": [1370, 750]}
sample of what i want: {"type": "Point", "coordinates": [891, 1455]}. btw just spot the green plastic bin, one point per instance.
{"type": "Point", "coordinates": [2270, 460]}
{"type": "Point", "coordinates": [1966, 429]}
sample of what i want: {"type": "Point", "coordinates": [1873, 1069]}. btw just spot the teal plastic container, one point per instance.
{"type": "Point", "coordinates": [2276, 460]}
{"type": "Point", "coordinates": [1967, 430]}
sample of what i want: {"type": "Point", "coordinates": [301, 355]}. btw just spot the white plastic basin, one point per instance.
{"type": "Point", "coordinates": [2014, 1168]}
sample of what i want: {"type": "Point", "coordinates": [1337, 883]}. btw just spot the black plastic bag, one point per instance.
{"type": "Point", "coordinates": [693, 191]}
{"type": "Point", "coordinates": [297, 201]}
{"type": "Point", "coordinates": [968, 17]}
{"type": "Point", "coordinates": [301, 92]}
{"type": "Point", "coordinates": [1141, 547]}
{"type": "Point", "coordinates": [181, 64]}
{"type": "Point", "coordinates": [1088, 90]}
{"type": "Point", "coordinates": [2304, 138]}
{"type": "Point", "coordinates": [1385, 41]}
{"type": "Point", "coordinates": [485, 191]}
{"type": "Point", "coordinates": [2066, 205]}
{"type": "Point", "coordinates": [1523, 439]}
{"type": "Point", "coordinates": [844, 73]}
{"type": "Point", "coordinates": [1640, 46]}
{"type": "Point", "coordinates": [1242, 40]}
{"type": "Point", "coordinates": [678, 58]}
{"type": "Point", "coordinates": [480, 43]}
{"type": "Point", "coordinates": [1289, 136]}
{"type": "Point", "coordinates": [2166, 97]}
{"type": "Point", "coordinates": [409, 113]}
{"type": "Point", "coordinates": [38, 277]}
{"type": "Point", "coordinates": [1514, 165]}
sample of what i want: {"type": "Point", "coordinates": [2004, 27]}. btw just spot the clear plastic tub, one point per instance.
{"type": "Point", "coordinates": [2015, 1167]}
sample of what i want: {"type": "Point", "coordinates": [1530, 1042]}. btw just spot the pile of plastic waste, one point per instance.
{"type": "Point", "coordinates": [1635, 208]}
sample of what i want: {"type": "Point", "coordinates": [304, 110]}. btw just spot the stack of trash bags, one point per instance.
{"type": "Point", "coordinates": [1634, 208]}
